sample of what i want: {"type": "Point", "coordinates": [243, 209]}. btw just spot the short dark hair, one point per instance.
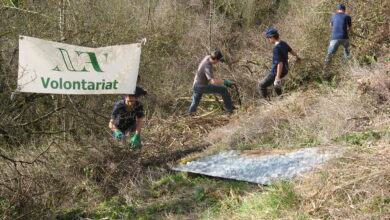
{"type": "Point", "coordinates": [128, 95]}
{"type": "Point", "coordinates": [216, 55]}
{"type": "Point", "coordinates": [276, 35]}
{"type": "Point", "coordinates": [137, 93]}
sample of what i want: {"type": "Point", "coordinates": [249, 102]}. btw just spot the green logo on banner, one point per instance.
{"type": "Point", "coordinates": [69, 65]}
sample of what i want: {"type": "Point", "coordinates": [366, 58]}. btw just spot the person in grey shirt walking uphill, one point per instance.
{"type": "Point", "coordinates": [205, 82]}
{"type": "Point", "coordinates": [341, 24]}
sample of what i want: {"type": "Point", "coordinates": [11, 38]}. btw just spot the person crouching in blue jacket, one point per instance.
{"type": "Point", "coordinates": [127, 116]}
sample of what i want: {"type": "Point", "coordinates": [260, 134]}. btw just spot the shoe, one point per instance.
{"type": "Point", "coordinates": [191, 114]}
{"type": "Point", "coordinates": [231, 111]}
{"type": "Point", "coordinates": [265, 101]}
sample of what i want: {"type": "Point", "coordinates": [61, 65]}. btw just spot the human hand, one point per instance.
{"type": "Point", "coordinates": [136, 140]}
{"type": "Point", "coordinates": [278, 82]}
{"type": "Point", "coordinates": [227, 83]}
{"type": "Point", "coordinates": [119, 134]}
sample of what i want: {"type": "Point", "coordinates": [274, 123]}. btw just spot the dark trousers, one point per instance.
{"type": "Point", "coordinates": [266, 82]}
{"type": "Point", "coordinates": [126, 126]}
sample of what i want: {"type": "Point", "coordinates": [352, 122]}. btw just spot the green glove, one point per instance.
{"type": "Point", "coordinates": [227, 83]}
{"type": "Point", "coordinates": [119, 135]}
{"type": "Point", "coordinates": [136, 140]}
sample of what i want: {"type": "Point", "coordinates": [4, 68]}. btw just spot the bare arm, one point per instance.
{"type": "Point", "coordinates": [216, 82]}
{"type": "Point", "coordinates": [296, 55]}
{"type": "Point", "coordinates": [139, 126]}
{"type": "Point", "coordinates": [112, 126]}
{"type": "Point", "coordinates": [279, 69]}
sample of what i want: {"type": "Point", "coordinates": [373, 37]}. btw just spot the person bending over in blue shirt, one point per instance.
{"type": "Point", "coordinates": [279, 63]}
{"type": "Point", "coordinates": [126, 117]}
{"type": "Point", "coordinates": [341, 24]}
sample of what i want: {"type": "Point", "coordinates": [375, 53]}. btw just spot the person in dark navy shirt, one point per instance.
{"type": "Point", "coordinates": [341, 24]}
{"type": "Point", "coordinates": [279, 63]}
{"type": "Point", "coordinates": [126, 117]}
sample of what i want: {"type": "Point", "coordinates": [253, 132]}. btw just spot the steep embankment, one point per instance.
{"type": "Point", "coordinates": [353, 116]}
{"type": "Point", "coordinates": [349, 112]}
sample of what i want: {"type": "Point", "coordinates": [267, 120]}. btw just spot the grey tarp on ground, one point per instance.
{"type": "Point", "coordinates": [261, 169]}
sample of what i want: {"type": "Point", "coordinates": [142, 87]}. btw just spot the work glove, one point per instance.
{"type": "Point", "coordinates": [119, 135]}
{"type": "Point", "coordinates": [227, 83]}
{"type": "Point", "coordinates": [136, 140]}
{"type": "Point", "coordinates": [278, 82]}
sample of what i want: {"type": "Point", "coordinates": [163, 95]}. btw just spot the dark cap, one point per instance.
{"type": "Point", "coordinates": [271, 32]}
{"type": "Point", "coordinates": [341, 7]}
{"type": "Point", "coordinates": [217, 55]}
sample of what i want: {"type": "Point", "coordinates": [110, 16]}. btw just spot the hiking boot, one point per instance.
{"type": "Point", "coordinates": [232, 110]}
{"type": "Point", "coordinates": [191, 114]}
{"type": "Point", "coordinates": [265, 101]}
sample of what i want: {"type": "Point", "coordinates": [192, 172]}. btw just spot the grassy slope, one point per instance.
{"type": "Point", "coordinates": [352, 116]}
{"type": "Point", "coordinates": [349, 112]}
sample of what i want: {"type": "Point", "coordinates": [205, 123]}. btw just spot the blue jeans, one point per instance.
{"type": "Point", "coordinates": [198, 92]}
{"type": "Point", "coordinates": [334, 45]}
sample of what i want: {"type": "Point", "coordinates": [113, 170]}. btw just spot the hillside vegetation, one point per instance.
{"type": "Point", "coordinates": [58, 160]}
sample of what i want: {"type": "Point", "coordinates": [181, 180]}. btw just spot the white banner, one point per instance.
{"type": "Point", "coordinates": [52, 67]}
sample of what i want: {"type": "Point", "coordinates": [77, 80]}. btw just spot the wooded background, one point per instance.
{"type": "Point", "coordinates": [43, 134]}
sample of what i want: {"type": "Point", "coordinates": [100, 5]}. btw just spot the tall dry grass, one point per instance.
{"type": "Point", "coordinates": [87, 167]}
{"type": "Point", "coordinates": [353, 116]}
{"type": "Point", "coordinates": [318, 116]}
{"type": "Point", "coordinates": [356, 186]}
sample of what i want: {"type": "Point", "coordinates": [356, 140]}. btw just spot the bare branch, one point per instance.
{"type": "Point", "coordinates": [39, 119]}
{"type": "Point", "coordinates": [15, 162]}
{"type": "Point", "coordinates": [50, 132]}
{"type": "Point", "coordinates": [13, 55]}
{"type": "Point", "coordinates": [12, 160]}
{"type": "Point", "coordinates": [48, 147]}
{"type": "Point", "coordinates": [24, 10]}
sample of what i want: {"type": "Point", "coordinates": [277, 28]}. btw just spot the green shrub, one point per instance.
{"type": "Point", "coordinates": [361, 138]}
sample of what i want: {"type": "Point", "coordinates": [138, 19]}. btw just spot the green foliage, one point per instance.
{"type": "Point", "coordinates": [328, 83]}
{"type": "Point", "coordinates": [171, 182]}
{"type": "Point", "coordinates": [7, 209]}
{"type": "Point", "coordinates": [13, 3]}
{"type": "Point", "coordinates": [245, 146]}
{"type": "Point", "coordinates": [282, 196]}
{"type": "Point", "coordinates": [310, 141]}
{"type": "Point", "coordinates": [199, 194]}
{"type": "Point", "coordinates": [245, 13]}
{"type": "Point", "coordinates": [88, 172]}
{"type": "Point", "coordinates": [271, 204]}
{"type": "Point", "coordinates": [361, 138]}
{"type": "Point", "coordinates": [70, 215]}
{"type": "Point", "coordinates": [380, 204]}
{"type": "Point", "coordinates": [115, 210]}
{"type": "Point", "coordinates": [368, 59]}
